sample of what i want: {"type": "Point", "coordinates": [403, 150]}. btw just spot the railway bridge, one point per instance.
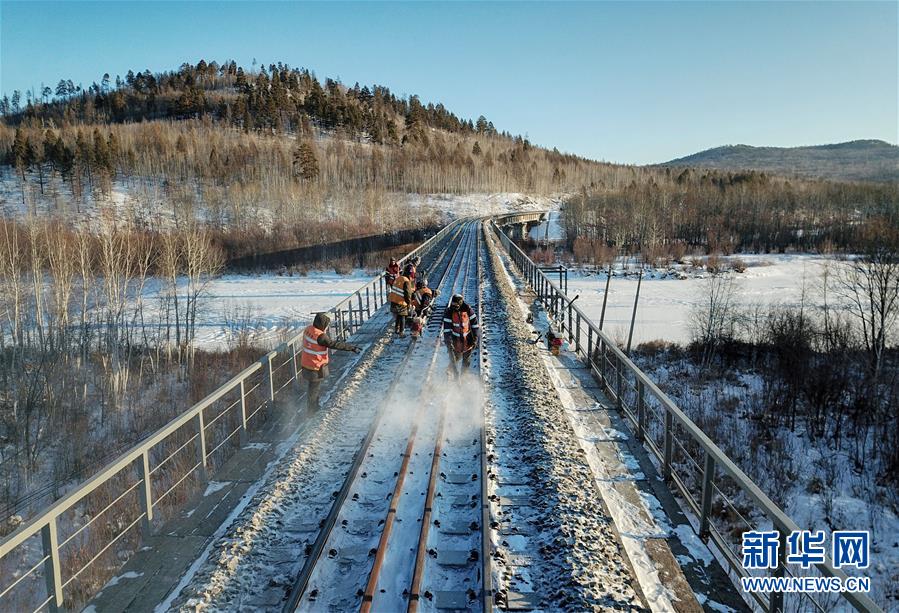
{"type": "Point", "coordinates": [535, 482]}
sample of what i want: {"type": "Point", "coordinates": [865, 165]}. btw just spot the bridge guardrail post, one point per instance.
{"type": "Point", "coordinates": [577, 334]}
{"type": "Point", "coordinates": [361, 319]}
{"type": "Point", "coordinates": [52, 572]}
{"type": "Point", "coordinates": [708, 476]}
{"type": "Point", "coordinates": [668, 445]}
{"type": "Point", "coordinates": [296, 367]}
{"type": "Point", "coordinates": [201, 446]}
{"type": "Point", "coordinates": [619, 383]}
{"type": "Point", "coordinates": [641, 412]}
{"type": "Point", "coordinates": [776, 601]}
{"type": "Point", "coordinates": [270, 382]}
{"type": "Point", "coordinates": [590, 346]}
{"type": "Point", "coordinates": [602, 363]}
{"type": "Point", "coordinates": [570, 327]}
{"type": "Point", "coordinates": [146, 499]}
{"type": "Point", "coordinates": [367, 303]}
{"type": "Point", "coordinates": [243, 413]}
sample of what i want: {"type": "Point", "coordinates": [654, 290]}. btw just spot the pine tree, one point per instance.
{"type": "Point", "coordinates": [20, 152]}
{"type": "Point", "coordinates": [306, 162]}
{"type": "Point", "coordinates": [476, 150]}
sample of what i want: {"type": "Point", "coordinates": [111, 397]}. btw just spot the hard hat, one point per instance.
{"type": "Point", "coordinates": [457, 298]}
{"type": "Point", "coordinates": [420, 283]}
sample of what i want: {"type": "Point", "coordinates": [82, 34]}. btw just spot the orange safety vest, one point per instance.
{"type": "Point", "coordinates": [461, 329]}
{"type": "Point", "coordinates": [420, 294]}
{"type": "Point", "coordinates": [397, 293]}
{"type": "Point", "coordinates": [314, 355]}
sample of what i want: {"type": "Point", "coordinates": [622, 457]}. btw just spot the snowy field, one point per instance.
{"type": "Point", "coordinates": [666, 302]}
{"type": "Point", "coordinates": [265, 307]}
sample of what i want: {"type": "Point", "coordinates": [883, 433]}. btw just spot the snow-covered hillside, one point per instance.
{"type": "Point", "coordinates": [151, 203]}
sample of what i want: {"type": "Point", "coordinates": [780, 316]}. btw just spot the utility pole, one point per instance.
{"type": "Point", "coordinates": [605, 296]}
{"type": "Point", "coordinates": [630, 335]}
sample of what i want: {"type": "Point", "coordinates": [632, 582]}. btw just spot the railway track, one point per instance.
{"type": "Point", "coordinates": [255, 564]}
{"type": "Point", "coordinates": [394, 538]}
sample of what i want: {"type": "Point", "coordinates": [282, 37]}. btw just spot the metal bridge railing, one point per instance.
{"type": "Point", "coordinates": [719, 494]}
{"type": "Point", "coordinates": [64, 542]}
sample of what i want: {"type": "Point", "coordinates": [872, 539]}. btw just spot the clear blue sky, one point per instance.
{"type": "Point", "coordinates": [635, 82]}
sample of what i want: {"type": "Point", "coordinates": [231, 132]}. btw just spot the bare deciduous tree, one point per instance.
{"type": "Point", "coordinates": [870, 285]}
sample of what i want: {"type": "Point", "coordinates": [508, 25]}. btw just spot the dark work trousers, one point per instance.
{"type": "Point", "coordinates": [400, 313]}
{"type": "Point", "coordinates": [315, 378]}
{"type": "Point", "coordinates": [459, 356]}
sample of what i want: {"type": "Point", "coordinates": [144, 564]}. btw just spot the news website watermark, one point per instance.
{"type": "Point", "coordinates": [806, 548]}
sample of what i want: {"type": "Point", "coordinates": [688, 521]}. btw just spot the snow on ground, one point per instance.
{"type": "Point", "coordinates": [150, 203]}
{"type": "Point", "coordinates": [550, 230]}
{"type": "Point", "coordinates": [667, 301]}
{"type": "Point", "coordinates": [822, 492]}
{"type": "Point", "coordinates": [560, 544]}
{"type": "Point", "coordinates": [454, 206]}
{"type": "Point", "coordinates": [264, 306]}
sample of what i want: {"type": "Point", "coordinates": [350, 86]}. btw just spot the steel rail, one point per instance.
{"type": "Point", "coordinates": [375, 571]}
{"type": "Point", "coordinates": [486, 570]}
{"type": "Point", "coordinates": [421, 553]}
{"type": "Point", "coordinates": [301, 582]}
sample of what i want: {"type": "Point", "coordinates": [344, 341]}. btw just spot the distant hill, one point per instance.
{"type": "Point", "coordinates": [858, 160]}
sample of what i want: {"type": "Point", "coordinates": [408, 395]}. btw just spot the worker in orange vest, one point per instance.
{"type": "Point", "coordinates": [400, 297]}
{"type": "Point", "coordinates": [460, 332]}
{"type": "Point", "coordinates": [392, 271]}
{"type": "Point", "coordinates": [422, 303]}
{"type": "Point", "coordinates": [314, 356]}
{"type": "Point", "coordinates": [411, 268]}
{"type": "Point", "coordinates": [423, 297]}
